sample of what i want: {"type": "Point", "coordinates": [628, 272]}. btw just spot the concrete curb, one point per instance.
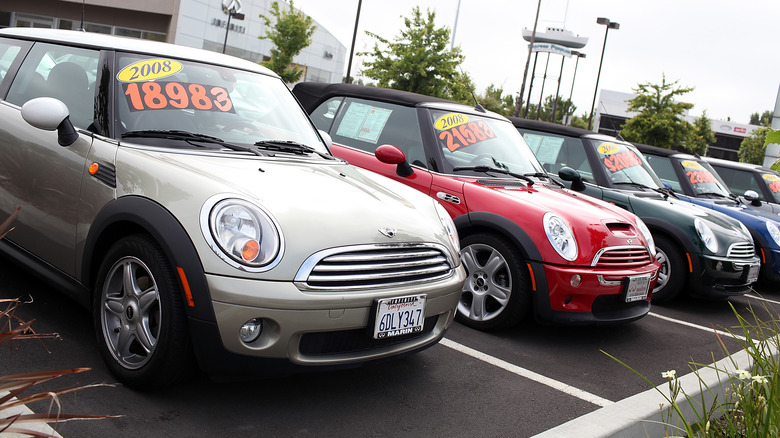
{"type": "Point", "coordinates": [640, 416]}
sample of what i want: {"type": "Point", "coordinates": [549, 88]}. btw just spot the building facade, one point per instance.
{"type": "Point", "coordinates": [202, 24]}
{"type": "Point", "coordinates": [612, 113]}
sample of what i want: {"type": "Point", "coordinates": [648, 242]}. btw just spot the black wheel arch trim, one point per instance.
{"type": "Point", "coordinates": [677, 235]}
{"type": "Point", "coordinates": [155, 220]}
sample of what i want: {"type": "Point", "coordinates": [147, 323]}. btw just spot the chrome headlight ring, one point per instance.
{"type": "Point", "coordinates": [560, 235]}
{"type": "Point", "coordinates": [706, 235]}
{"type": "Point", "coordinates": [241, 233]}
{"type": "Point", "coordinates": [449, 227]}
{"type": "Point", "coordinates": [774, 232]}
{"type": "Point", "coordinates": [647, 235]}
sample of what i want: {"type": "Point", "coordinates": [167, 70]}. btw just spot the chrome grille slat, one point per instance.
{"type": "Point", "coordinates": [621, 257]}
{"type": "Point", "coordinates": [742, 250]}
{"type": "Point", "coordinates": [370, 266]}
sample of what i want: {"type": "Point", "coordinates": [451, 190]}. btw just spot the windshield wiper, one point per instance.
{"type": "Point", "coordinates": [486, 169]}
{"type": "Point", "coordinates": [188, 137]}
{"type": "Point", "coordinates": [291, 147]}
{"type": "Point", "coordinates": [634, 184]}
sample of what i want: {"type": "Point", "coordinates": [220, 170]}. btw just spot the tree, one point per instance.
{"type": "Point", "coordinates": [564, 107]}
{"type": "Point", "coordinates": [291, 34]}
{"type": "Point", "coordinates": [659, 120]}
{"type": "Point", "coordinates": [495, 100]}
{"type": "Point", "coordinates": [753, 148]}
{"type": "Point", "coordinates": [420, 61]}
{"type": "Point", "coordinates": [765, 119]}
{"type": "Point", "coordinates": [701, 135]}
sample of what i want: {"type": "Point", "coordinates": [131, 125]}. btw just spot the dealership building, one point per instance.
{"type": "Point", "coordinates": [232, 26]}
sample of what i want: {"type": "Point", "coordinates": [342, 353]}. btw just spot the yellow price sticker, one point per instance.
{"type": "Point", "coordinates": [149, 69]}
{"type": "Point", "coordinates": [608, 148]}
{"type": "Point", "coordinates": [450, 120]}
{"type": "Point", "coordinates": [688, 164]}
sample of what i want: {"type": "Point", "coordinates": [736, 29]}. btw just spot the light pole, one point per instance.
{"type": "Point", "coordinates": [571, 92]}
{"type": "Point", "coordinates": [558, 89]}
{"type": "Point", "coordinates": [519, 105]}
{"type": "Point", "coordinates": [609, 25]}
{"type": "Point", "coordinates": [348, 79]}
{"type": "Point", "coordinates": [232, 13]}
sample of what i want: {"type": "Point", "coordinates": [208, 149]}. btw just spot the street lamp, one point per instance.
{"type": "Point", "coordinates": [232, 13]}
{"type": "Point", "coordinates": [348, 79]}
{"type": "Point", "coordinates": [609, 25]}
{"type": "Point", "coordinates": [571, 92]}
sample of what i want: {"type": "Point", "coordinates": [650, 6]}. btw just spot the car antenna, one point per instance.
{"type": "Point", "coordinates": [611, 122]}
{"type": "Point", "coordinates": [477, 106]}
{"type": "Point", "coordinates": [82, 15]}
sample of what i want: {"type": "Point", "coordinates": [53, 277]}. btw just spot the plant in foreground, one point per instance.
{"type": "Point", "coordinates": [744, 402]}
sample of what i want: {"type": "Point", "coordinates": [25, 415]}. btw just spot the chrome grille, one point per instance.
{"type": "Point", "coordinates": [621, 257]}
{"type": "Point", "coordinates": [742, 250]}
{"type": "Point", "coordinates": [369, 266]}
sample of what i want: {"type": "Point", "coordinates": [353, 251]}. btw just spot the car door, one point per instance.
{"type": "Point", "coordinates": [359, 126]}
{"type": "Point", "coordinates": [36, 172]}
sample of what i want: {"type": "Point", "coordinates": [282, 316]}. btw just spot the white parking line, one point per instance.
{"type": "Point", "coordinates": [583, 395]}
{"type": "Point", "coordinates": [756, 297]}
{"type": "Point", "coordinates": [700, 327]}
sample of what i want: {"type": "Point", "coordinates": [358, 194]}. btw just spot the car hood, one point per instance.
{"type": "Point", "coordinates": [316, 204]}
{"type": "Point", "coordinates": [593, 222]}
{"type": "Point", "coordinates": [754, 219]}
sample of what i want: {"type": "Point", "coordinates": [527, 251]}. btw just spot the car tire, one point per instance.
{"type": "Point", "coordinates": [671, 276]}
{"type": "Point", "coordinates": [142, 334]}
{"type": "Point", "coordinates": [496, 293]}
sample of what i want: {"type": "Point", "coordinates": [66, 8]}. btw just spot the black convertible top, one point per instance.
{"type": "Point", "coordinates": [553, 128]}
{"type": "Point", "coordinates": [311, 94]}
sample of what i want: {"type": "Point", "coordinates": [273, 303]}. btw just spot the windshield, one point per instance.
{"type": "Point", "coordinates": [624, 165]}
{"type": "Point", "coordinates": [773, 182]}
{"type": "Point", "coordinates": [703, 178]}
{"type": "Point", "coordinates": [233, 106]}
{"type": "Point", "coordinates": [468, 140]}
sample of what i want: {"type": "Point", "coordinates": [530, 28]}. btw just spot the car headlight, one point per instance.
{"type": "Point", "coordinates": [560, 236]}
{"type": "Point", "coordinates": [449, 226]}
{"type": "Point", "coordinates": [774, 232]}
{"type": "Point", "coordinates": [242, 234]}
{"type": "Point", "coordinates": [706, 235]}
{"type": "Point", "coordinates": [647, 234]}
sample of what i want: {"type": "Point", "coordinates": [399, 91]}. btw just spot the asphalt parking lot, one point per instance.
{"type": "Point", "coordinates": [518, 382]}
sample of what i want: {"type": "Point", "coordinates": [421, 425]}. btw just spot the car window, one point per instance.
{"type": "Point", "coordinates": [324, 115]}
{"type": "Point", "coordinates": [366, 125]}
{"type": "Point", "coordinates": [738, 181]}
{"type": "Point", "coordinates": [702, 177]}
{"type": "Point", "coordinates": [773, 182]}
{"type": "Point", "coordinates": [237, 106]}
{"type": "Point", "coordinates": [8, 53]}
{"type": "Point", "coordinates": [472, 140]}
{"type": "Point", "coordinates": [555, 152]}
{"type": "Point", "coordinates": [62, 72]}
{"type": "Point", "coordinates": [624, 165]}
{"type": "Point", "coordinates": [664, 169]}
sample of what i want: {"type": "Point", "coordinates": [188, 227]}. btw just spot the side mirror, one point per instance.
{"type": "Point", "coordinates": [569, 174]}
{"type": "Point", "coordinates": [50, 114]}
{"type": "Point", "coordinates": [326, 138]}
{"type": "Point", "coordinates": [390, 154]}
{"type": "Point", "coordinates": [752, 196]}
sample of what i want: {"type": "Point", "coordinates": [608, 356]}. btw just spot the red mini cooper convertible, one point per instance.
{"type": "Point", "coordinates": [528, 244]}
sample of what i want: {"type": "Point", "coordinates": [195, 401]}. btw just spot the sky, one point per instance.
{"type": "Point", "coordinates": [726, 50]}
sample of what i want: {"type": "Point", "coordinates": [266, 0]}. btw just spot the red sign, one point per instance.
{"type": "Point", "coordinates": [741, 130]}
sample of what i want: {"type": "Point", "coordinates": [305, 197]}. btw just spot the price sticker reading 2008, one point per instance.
{"type": "Point", "coordinates": [458, 131]}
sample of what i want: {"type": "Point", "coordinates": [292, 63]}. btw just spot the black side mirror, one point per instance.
{"type": "Point", "coordinates": [569, 174]}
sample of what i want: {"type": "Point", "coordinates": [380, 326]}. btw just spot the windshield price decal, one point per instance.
{"type": "Point", "coordinates": [608, 148]}
{"type": "Point", "coordinates": [176, 95]}
{"type": "Point", "coordinates": [773, 181]}
{"type": "Point", "coordinates": [450, 120]}
{"type": "Point", "coordinates": [688, 164]}
{"type": "Point", "coordinates": [620, 161]}
{"type": "Point", "coordinates": [700, 176]}
{"type": "Point", "coordinates": [148, 70]}
{"type": "Point", "coordinates": [466, 134]}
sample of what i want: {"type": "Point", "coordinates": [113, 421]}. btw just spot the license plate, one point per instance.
{"type": "Point", "coordinates": [399, 316]}
{"type": "Point", "coordinates": [637, 288]}
{"type": "Point", "coordinates": [753, 273]}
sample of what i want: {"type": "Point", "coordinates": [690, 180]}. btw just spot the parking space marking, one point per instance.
{"type": "Point", "coordinates": [756, 297]}
{"type": "Point", "coordinates": [700, 327]}
{"type": "Point", "coordinates": [582, 395]}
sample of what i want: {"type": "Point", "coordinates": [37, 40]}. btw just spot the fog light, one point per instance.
{"type": "Point", "coordinates": [576, 280]}
{"type": "Point", "coordinates": [719, 266]}
{"type": "Point", "coordinates": [250, 331]}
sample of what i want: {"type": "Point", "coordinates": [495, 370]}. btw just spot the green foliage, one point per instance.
{"type": "Point", "coordinates": [291, 34]}
{"type": "Point", "coordinates": [495, 100]}
{"type": "Point", "coordinates": [420, 61]}
{"type": "Point", "coordinates": [659, 120]}
{"type": "Point", "coordinates": [765, 119]}
{"type": "Point", "coordinates": [753, 148]}
{"type": "Point", "coordinates": [700, 136]}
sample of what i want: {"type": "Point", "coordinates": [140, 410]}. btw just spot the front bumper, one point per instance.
{"type": "Point", "coordinates": [323, 328]}
{"type": "Point", "coordinates": [599, 298]}
{"type": "Point", "coordinates": [721, 277]}
{"type": "Point", "coordinates": [770, 265]}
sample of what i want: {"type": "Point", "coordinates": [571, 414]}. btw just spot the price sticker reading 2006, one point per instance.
{"type": "Point", "coordinates": [458, 131]}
